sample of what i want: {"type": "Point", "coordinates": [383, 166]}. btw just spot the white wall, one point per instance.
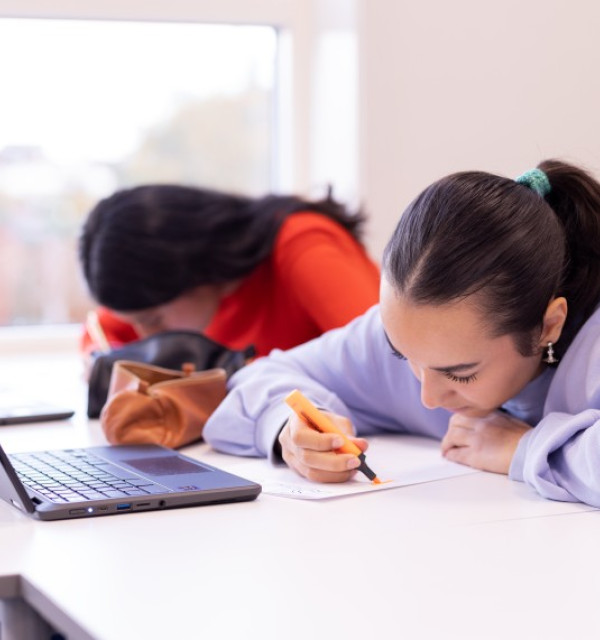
{"type": "Point", "coordinates": [443, 86]}
{"type": "Point", "coordinates": [472, 84]}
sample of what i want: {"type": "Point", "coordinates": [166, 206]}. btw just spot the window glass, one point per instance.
{"type": "Point", "coordinates": [89, 107]}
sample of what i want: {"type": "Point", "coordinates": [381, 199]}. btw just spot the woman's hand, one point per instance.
{"type": "Point", "coordinates": [483, 443]}
{"type": "Point", "coordinates": [312, 454]}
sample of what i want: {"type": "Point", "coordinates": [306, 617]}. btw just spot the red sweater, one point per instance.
{"type": "Point", "coordinates": [317, 277]}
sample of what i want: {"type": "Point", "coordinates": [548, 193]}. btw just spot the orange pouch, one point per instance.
{"type": "Point", "coordinates": [149, 404]}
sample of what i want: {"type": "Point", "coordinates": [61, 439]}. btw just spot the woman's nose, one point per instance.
{"type": "Point", "coordinates": [433, 390]}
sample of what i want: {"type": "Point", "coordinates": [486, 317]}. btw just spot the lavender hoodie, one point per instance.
{"type": "Point", "coordinates": [351, 371]}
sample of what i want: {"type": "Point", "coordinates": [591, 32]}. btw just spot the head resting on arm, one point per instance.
{"type": "Point", "coordinates": [145, 246]}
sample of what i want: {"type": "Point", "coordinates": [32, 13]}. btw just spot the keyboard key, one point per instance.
{"type": "Point", "coordinates": [154, 489]}
{"type": "Point", "coordinates": [73, 498]}
{"type": "Point", "coordinates": [92, 495]}
{"type": "Point", "coordinates": [113, 493]}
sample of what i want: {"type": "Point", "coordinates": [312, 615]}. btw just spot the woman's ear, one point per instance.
{"type": "Point", "coordinates": [554, 321]}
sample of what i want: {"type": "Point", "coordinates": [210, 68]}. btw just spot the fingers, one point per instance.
{"type": "Point", "coordinates": [461, 455]}
{"type": "Point", "coordinates": [456, 436]}
{"type": "Point", "coordinates": [326, 470]}
{"type": "Point", "coordinates": [305, 437]}
{"type": "Point", "coordinates": [361, 443]}
{"type": "Point", "coordinates": [461, 431]}
{"type": "Point", "coordinates": [487, 443]}
{"type": "Point", "coordinates": [312, 454]}
{"type": "Point", "coordinates": [456, 444]}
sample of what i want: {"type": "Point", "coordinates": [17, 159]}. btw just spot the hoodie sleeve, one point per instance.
{"type": "Point", "coordinates": [560, 458]}
{"type": "Point", "coordinates": [349, 371]}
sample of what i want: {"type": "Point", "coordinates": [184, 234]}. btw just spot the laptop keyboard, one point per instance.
{"type": "Point", "coordinates": [75, 475]}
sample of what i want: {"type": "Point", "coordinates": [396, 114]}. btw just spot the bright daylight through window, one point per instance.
{"type": "Point", "coordinates": [90, 107]}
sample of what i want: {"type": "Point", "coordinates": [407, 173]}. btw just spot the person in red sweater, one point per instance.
{"type": "Point", "coordinates": [271, 272]}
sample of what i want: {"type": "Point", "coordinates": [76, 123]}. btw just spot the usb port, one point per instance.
{"type": "Point", "coordinates": [123, 506]}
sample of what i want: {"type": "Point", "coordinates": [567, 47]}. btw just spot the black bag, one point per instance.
{"type": "Point", "coordinates": [168, 349]}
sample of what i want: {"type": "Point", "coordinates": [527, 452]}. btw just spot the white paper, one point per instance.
{"type": "Point", "coordinates": [397, 460]}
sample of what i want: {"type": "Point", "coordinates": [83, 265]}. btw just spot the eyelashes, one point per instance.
{"type": "Point", "coordinates": [461, 379]}
{"type": "Point", "coordinates": [393, 351]}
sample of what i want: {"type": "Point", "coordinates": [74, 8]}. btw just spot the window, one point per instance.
{"type": "Point", "coordinates": [92, 106]}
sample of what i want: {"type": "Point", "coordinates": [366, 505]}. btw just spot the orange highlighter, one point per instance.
{"type": "Point", "coordinates": [318, 421]}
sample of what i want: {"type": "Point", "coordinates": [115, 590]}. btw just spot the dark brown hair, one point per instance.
{"type": "Point", "coordinates": [474, 232]}
{"type": "Point", "coordinates": [147, 245]}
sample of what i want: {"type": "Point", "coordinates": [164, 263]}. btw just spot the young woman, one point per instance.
{"type": "Point", "coordinates": [487, 337]}
{"type": "Point", "coordinates": [269, 272]}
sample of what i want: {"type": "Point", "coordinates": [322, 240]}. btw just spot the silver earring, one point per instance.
{"type": "Point", "coordinates": [550, 359]}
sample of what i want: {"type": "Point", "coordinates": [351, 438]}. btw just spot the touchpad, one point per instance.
{"type": "Point", "coordinates": [165, 465]}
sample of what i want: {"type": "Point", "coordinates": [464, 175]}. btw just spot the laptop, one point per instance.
{"type": "Point", "coordinates": [22, 412]}
{"type": "Point", "coordinates": [17, 407]}
{"type": "Point", "coordinates": [107, 480]}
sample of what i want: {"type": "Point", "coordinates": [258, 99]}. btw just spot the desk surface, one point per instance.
{"type": "Point", "coordinates": [476, 556]}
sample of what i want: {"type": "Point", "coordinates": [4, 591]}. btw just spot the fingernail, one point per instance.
{"type": "Point", "coordinates": [353, 463]}
{"type": "Point", "coordinates": [337, 442]}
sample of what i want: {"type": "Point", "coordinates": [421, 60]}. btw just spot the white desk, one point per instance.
{"type": "Point", "coordinates": [476, 556]}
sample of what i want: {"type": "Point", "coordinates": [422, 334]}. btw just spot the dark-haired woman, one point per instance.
{"type": "Point", "coordinates": [487, 337]}
{"type": "Point", "coordinates": [271, 272]}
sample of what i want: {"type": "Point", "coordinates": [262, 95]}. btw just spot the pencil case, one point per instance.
{"type": "Point", "coordinates": [169, 349]}
{"type": "Point", "coordinates": [153, 405]}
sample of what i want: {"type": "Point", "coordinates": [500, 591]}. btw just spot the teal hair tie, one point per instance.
{"type": "Point", "coordinates": [536, 180]}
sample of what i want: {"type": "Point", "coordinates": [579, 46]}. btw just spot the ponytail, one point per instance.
{"type": "Point", "coordinates": [575, 198]}
{"type": "Point", "coordinates": [279, 207]}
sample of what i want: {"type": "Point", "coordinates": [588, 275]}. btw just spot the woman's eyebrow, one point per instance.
{"type": "Point", "coordinates": [454, 368]}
